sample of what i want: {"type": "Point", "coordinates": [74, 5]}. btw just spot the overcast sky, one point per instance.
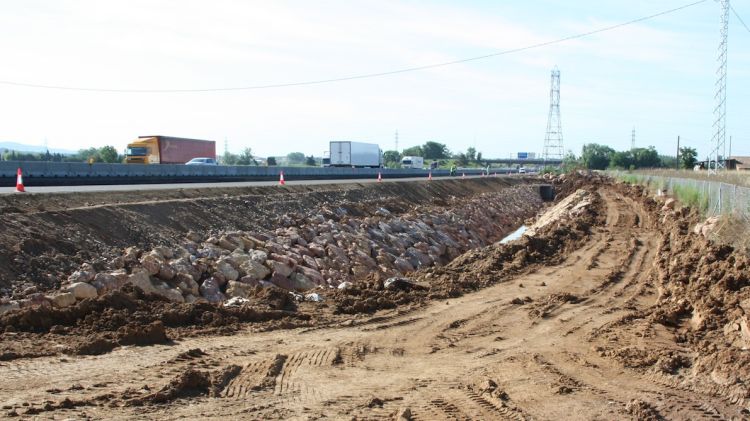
{"type": "Point", "coordinates": [657, 76]}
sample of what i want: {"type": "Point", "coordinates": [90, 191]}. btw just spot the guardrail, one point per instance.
{"type": "Point", "coordinates": [63, 173]}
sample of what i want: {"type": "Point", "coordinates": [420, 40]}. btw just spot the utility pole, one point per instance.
{"type": "Point", "coordinates": [553, 140]}
{"type": "Point", "coordinates": [720, 109]}
{"type": "Point", "coordinates": [396, 139]}
{"type": "Point", "coordinates": [632, 139]}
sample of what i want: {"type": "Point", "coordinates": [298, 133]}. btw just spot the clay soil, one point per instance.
{"type": "Point", "coordinates": [616, 312]}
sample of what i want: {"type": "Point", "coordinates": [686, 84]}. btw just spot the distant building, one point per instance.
{"type": "Point", "coordinates": [739, 163]}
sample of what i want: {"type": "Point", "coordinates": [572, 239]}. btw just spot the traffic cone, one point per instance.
{"type": "Point", "coordinates": [380, 177]}
{"type": "Point", "coordinates": [281, 178]}
{"type": "Point", "coordinates": [463, 175]}
{"type": "Point", "coordinates": [19, 182]}
{"type": "Point", "coordinates": [429, 176]}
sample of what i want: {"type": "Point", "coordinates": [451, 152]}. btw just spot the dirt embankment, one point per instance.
{"type": "Point", "coordinates": [615, 309]}
{"type": "Point", "coordinates": [44, 238]}
{"type": "Point", "coordinates": [321, 245]}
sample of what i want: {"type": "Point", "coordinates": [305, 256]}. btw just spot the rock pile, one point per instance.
{"type": "Point", "coordinates": [322, 249]}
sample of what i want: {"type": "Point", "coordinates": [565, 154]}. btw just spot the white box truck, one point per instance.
{"type": "Point", "coordinates": [412, 162]}
{"type": "Point", "coordinates": [355, 154]}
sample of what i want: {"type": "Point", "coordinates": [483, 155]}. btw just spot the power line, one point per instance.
{"type": "Point", "coordinates": [362, 76]}
{"type": "Point", "coordinates": [739, 18]}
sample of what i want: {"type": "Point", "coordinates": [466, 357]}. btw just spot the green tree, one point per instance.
{"type": "Point", "coordinates": [479, 158]}
{"type": "Point", "coordinates": [471, 154]}
{"type": "Point", "coordinates": [595, 156]}
{"type": "Point", "coordinates": [462, 159]}
{"type": "Point", "coordinates": [435, 150]}
{"type": "Point", "coordinates": [229, 158]}
{"type": "Point", "coordinates": [271, 161]}
{"type": "Point", "coordinates": [310, 161]}
{"type": "Point", "coordinates": [295, 158]}
{"type": "Point", "coordinates": [391, 159]}
{"type": "Point", "coordinates": [108, 154]}
{"type": "Point", "coordinates": [570, 162]}
{"type": "Point", "coordinates": [646, 157]}
{"type": "Point", "coordinates": [246, 157]}
{"type": "Point", "coordinates": [688, 157]}
{"type": "Point", "coordinates": [667, 161]}
{"type": "Point", "coordinates": [621, 159]}
{"type": "Point", "coordinates": [413, 151]}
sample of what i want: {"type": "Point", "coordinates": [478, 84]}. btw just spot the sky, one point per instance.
{"type": "Point", "coordinates": [656, 76]}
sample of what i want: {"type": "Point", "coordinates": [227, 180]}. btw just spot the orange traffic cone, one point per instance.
{"type": "Point", "coordinates": [19, 182]}
{"type": "Point", "coordinates": [429, 176]}
{"type": "Point", "coordinates": [380, 178]}
{"type": "Point", "coordinates": [281, 178]}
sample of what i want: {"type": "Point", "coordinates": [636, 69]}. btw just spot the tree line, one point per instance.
{"type": "Point", "coordinates": [104, 154]}
{"type": "Point", "coordinates": [599, 157]}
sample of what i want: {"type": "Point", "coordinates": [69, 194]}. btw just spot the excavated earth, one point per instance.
{"type": "Point", "coordinates": [612, 306]}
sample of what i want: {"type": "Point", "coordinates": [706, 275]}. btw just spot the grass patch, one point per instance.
{"type": "Point", "coordinates": [692, 197]}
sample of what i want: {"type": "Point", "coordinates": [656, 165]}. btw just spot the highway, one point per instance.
{"type": "Point", "coordinates": [177, 186]}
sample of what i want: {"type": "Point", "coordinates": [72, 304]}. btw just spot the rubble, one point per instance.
{"type": "Point", "coordinates": [320, 249]}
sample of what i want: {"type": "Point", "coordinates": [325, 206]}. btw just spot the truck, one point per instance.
{"type": "Point", "coordinates": [412, 162]}
{"type": "Point", "coordinates": [355, 154]}
{"type": "Point", "coordinates": [168, 150]}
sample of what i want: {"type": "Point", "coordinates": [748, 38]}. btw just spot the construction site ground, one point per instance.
{"type": "Point", "coordinates": [601, 329]}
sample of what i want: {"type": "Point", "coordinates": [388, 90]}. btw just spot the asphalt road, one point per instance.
{"type": "Point", "coordinates": [176, 186]}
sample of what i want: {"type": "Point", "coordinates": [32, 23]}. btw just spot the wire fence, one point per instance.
{"type": "Point", "coordinates": [713, 198]}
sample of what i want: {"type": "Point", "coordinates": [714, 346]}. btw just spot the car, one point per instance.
{"type": "Point", "coordinates": [202, 161]}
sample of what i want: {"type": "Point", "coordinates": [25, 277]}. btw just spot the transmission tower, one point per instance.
{"type": "Point", "coordinates": [632, 139]}
{"type": "Point", "coordinates": [720, 110]}
{"type": "Point", "coordinates": [395, 137]}
{"type": "Point", "coordinates": [553, 141]}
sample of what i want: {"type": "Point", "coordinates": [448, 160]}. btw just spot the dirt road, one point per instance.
{"type": "Point", "coordinates": [542, 345]}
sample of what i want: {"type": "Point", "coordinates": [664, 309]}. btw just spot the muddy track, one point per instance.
{"type": "Point", "coordinates": [484, 355]}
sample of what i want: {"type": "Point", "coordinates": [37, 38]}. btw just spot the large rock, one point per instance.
{"type": "Point", "coordinates": [131, 254]}
{"type": "Point", "coordinates": [163, 252]}
{"type": "Point", "coordinates": [106, 282]}
{"type": "Point", "coordinates": [282, 281]}
{"type": "Point", "coordinates": [211, 292]}
{"type": "Point", "coordinates": [301, 282]}
{"type": "Point", "coordinates": [82, 290]}
{"type": "Point", "coordinates": [312, 274]}
{"type": "Point", "coordinates": [258, 256]}
{"type": "Point", "coordinates": [62, 300]}
{"type": "Point", "coordinates": [166, 272]}
{"type": "Point", "coordinates": [227, 244]}
{"type": "Point", "coordinates": [281, 268]}
{"type": "Point", "coordinates": [85, 274]}
{"type": "Point", "coordinates": [239, 289]}
{"type": "Point", "coordinates": [255, 269]}
{"type": "Point", "coordinates": [151, 263]}
{"type": "Point", "coordinates": [141, 279]}
{"type": "Point", "coordinates": [226, 269]}
{"type": "Point", "coordinates": [403, 265]}
{"type": "Point", "coordinates": [187, 284]}
{"type": "Point", "coordinates": [172, 294]}
{"type": "Point", "coordinates": [183, 265]}
{"type": "Point", "coordinates": [310, 262]}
